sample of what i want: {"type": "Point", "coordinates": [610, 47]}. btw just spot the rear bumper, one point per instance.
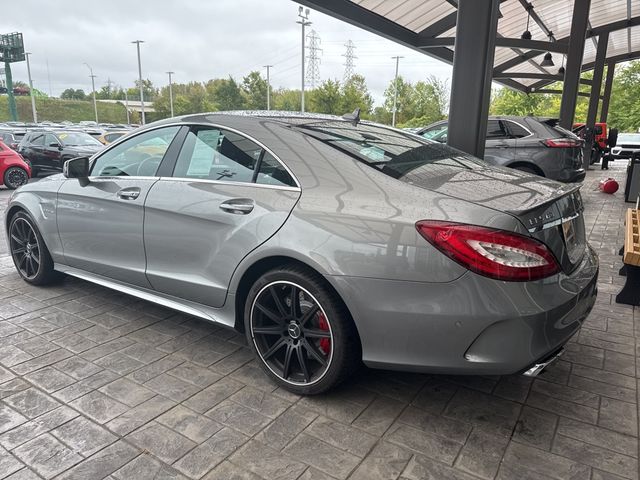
{"type": "Point", "coordinates": [572, 176]}
{"type": "Point", "coordinates": [472, 325]}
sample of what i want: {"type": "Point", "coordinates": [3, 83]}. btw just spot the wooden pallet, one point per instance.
{"type": "Point", "coordinates": [632, 238]}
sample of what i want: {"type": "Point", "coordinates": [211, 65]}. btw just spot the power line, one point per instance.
{"type": "Point", "coordinates": [313, 65]}
{"type": "Point", "coordinates": [348, 61]}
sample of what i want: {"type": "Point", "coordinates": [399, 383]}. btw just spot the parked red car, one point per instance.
{"type": "Point", "coordinates": [14, 171]}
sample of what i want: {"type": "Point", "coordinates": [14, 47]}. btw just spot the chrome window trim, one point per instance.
{"type": "Point", "coordinates": [120, 177]}
{"type": "Point", "coordinates": [222, 182]}
{"type": "Point", "coordinates": [254, 140]}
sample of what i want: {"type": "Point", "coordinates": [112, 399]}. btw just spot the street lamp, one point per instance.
{"type": "Point", "coordinates": [138, 42]}
{"type": "Point", "coordinates": [33, 98]}
{"type": "Point", "coordinates": [170, 92]}
{"type": "Point", "coordinates": [93, 90]}
{"type": "Point", "coordinates": [304, 17]}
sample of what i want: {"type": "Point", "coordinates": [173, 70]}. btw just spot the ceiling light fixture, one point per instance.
{"type": "Point", "coordinates": [526, 35]}
{"type": "Point", "coordinates": [548, 59]}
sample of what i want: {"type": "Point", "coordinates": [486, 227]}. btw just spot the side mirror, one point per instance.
{"type": "Point", "coordinates": [55, 145]}
{"type": "Point", "coordinates": [76, 168]}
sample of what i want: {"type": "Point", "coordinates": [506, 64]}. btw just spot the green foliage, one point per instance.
{"type": "Point", "coordinates": [58, 110]}
{"type": "Point", "coordinates": [286, 100]}
{"type": "Point", "coordinates": [327, 98]}
{"type": "Point", "coordinates": [71, 94]}
{"type": "Point", "coordinates": [624, 109]}
{"type": "Point", "coordinates": [355, 94]}
{"type": "Point", "coordinates": [426, 100]}
{"type": "Point", "coordinates": [254, 89]}
{"type": "Point", "coordinates": [225, 94]}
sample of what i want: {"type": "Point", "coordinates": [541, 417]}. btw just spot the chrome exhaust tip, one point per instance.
{"type": "Point", "coordinates": [537, 368]}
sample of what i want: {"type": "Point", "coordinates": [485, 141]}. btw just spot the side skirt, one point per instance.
{"type": "Point", "coordinates": [220, 316]}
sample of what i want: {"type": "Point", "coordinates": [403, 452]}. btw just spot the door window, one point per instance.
{"type": "Point", "coordinates": [216, 154]}
{"type": "Point", "coordinates": [139, 156]}
{"type": "Point", "coordinates": [49, 139]}
{"type": "Point", "coordinates": [38, 140]}
{"type": "Point", "coordinates": [495, 130]}
{"type": "Point", "coordinates": [437, 133]}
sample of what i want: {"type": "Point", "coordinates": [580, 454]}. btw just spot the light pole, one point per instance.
{"type": "Point", "coordinates": [395, 92]}
{"type": "Point", "coordinates": [170, 92]}
{"type": "Point", "coordinates": [126, 106]}
{"type": "Point", "coordinates": [93, 90]}
{"type": "Point", "coordinates": [304, 17]}
{"type": "Point", "coordinates": [268, 67]}
{"type": "Point", "coordinates": [138, 42]}
{"type": "Point", "coordinates": [33, 98]}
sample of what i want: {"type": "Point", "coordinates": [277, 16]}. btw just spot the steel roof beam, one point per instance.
{"type": "Point", "coordinates": [538, 45]}
{"type": "Point", "coordinates": [529, 8]}
{"type": "Point", "coordinates": [558, 92]}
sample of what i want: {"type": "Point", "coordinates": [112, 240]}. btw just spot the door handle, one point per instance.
{"type": "Point", "coordinates": [129, 193]}
{"type": "Point", "coordinates": [238, 206]}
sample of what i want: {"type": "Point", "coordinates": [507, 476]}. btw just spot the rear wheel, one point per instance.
{"type": "Point", "coordinates": [15, 177]}
{"type": "Point", "coordinates": [300, 330]}
{"type": "Point", "coordinates": [29, 253]}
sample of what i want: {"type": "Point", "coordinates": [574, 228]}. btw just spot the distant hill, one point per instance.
{"type": "Point", "coordinates": [58, 110]}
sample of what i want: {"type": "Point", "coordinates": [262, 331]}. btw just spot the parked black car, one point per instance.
{"type": "Point", "coordinates": [531, 144]}
{"type": "Point", "coordinates": [47, 150]}
{"type": "Point", "coordinates": [9, 139]}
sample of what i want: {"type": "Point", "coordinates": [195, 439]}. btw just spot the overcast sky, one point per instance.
{"type": "Point", "coordinates": [197, 39]}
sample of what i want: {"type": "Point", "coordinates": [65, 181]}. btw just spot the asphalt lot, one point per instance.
{"type": "Point", "coordinates": [96, 384]}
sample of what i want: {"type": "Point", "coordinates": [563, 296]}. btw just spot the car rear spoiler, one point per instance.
{"type": "Point", "coordinates": [552, 122]}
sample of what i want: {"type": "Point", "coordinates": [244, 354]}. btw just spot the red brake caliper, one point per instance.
{"type": "Point", "coordinates": [325, 343]}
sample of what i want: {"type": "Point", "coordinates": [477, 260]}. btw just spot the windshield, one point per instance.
{"type": "Point", "coordinates": [78, 139]}
{"type": "Point", "coordinates": [629, 138]}
{"type": "Point", "coordinates": [393, 152]}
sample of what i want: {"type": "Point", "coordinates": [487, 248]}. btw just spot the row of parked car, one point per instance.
{"type": "Point", "coordinates": [27, 149]}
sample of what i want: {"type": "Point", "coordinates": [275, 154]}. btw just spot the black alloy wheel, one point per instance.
{"type": "Point", "coordinates": [25, 248]}
{"type": "Point", "coordinates": [291, 333]}
{"type": "Point", "coordinates": [15, 177]}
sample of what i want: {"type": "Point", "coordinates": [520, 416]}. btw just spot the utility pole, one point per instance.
{"type": "Point", "coordinates": [170, 92]}
{"type": "Point", "coordinates": [126, 107]}
{"type": "Point", "coordinates": [49, 79]}
{"type": "Point", "coordinates": [93, 90]}
{"type": "Point", "coordinates": [33, 98]}
{"type": "Point", "coordinates": [268, 67]}
{"type": "Point", "coordinates": [138, 42]}
{"type": "Point", "coordinates": [395, 92]}
{"type": "Point", "coordinates": [304, 22]}
{"type": "Point", "coordinates": [13, 110]}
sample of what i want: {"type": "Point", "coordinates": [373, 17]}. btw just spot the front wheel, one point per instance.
{"type": "Point", "coordinates": [300, 330]}
{"type": "Point", "coordinates": [29, 253]}
{"type": "Point", "coordinates": [15, 177]}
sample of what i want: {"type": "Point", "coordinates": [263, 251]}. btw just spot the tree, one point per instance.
{"type": "Point", "coordinates": [624, 110]}
{"type": "Point", "coordinates": [287, 100]}
{"type": "Point", "coordinates": [355, 94]}
{"type": "Point", "coordinates": [405, 108]}
{"type": "Point", "coordinates": [71, 94]}
{"type": "Point", "coordinates": [327, 98]}
{"type": "Point", "coordinates": [225, 94]}
{"type": "Point", "coordinates": [254, 89]}
{"type": "Point", "coordinates": [187, 98]}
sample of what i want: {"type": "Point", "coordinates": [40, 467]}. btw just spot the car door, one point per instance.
{"type": "Point", "coordinates": [34, 149]}
{"type": "Point", "coordinates": [100, 222]}
{"type": "Point", "coordinates": [226, 196]}
{"type": "Point", "coordinates": [527, 146]}
{"type": "Point", "coordinates": [498, 142]}
{"type": "Point", "coordinates": [51, 153]}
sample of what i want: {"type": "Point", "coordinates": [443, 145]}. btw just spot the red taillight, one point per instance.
{"type": "Point", "coordinates": [562, 142]}
{"type": "Point", "coordinates": [493, 253]}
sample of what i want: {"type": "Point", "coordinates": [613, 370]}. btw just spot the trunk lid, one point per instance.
{"type": "Point", "coordinates": [551, 212]}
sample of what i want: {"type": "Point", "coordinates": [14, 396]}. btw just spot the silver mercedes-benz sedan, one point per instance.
{"type": "Point", "coordinates": [326, 240]}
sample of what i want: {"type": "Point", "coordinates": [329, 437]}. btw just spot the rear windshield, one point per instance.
{"type": "Point", "coordinates": [393, 152]}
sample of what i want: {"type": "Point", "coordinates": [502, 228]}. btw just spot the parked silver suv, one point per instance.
{"type": "Point", "coordinates": [531, 144]}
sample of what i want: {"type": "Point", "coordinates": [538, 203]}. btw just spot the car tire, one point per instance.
{"type": "Point", "coordinates": [307, 346]}
{"type": "Point", "coordinates": [15, 177]}
{"type": "Point", "coordinates": [29, 252]}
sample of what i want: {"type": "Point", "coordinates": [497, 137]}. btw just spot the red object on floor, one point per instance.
{"type": "Point", "coordinates": [609, 185]}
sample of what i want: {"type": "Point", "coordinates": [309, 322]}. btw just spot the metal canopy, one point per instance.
{"type": "Point", "coordinates": [429, 26]}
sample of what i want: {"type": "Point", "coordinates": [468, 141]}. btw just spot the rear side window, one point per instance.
{"type": "Point", "coordinates": [37, 140]}
{"type": "Point", "coordinates": [271, 172]}
{"type": "Point", "coordinates": [516, 130]}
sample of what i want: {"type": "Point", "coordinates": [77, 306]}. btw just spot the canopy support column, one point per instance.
{"type": "Point", "coordinates": [606, 96]}
{"type": "Point", "coordinates": [579, 25]}
{"type": "Point", "coordinates": [472, 72]}
{"type": "Point", "coordinates": [594, 98]}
